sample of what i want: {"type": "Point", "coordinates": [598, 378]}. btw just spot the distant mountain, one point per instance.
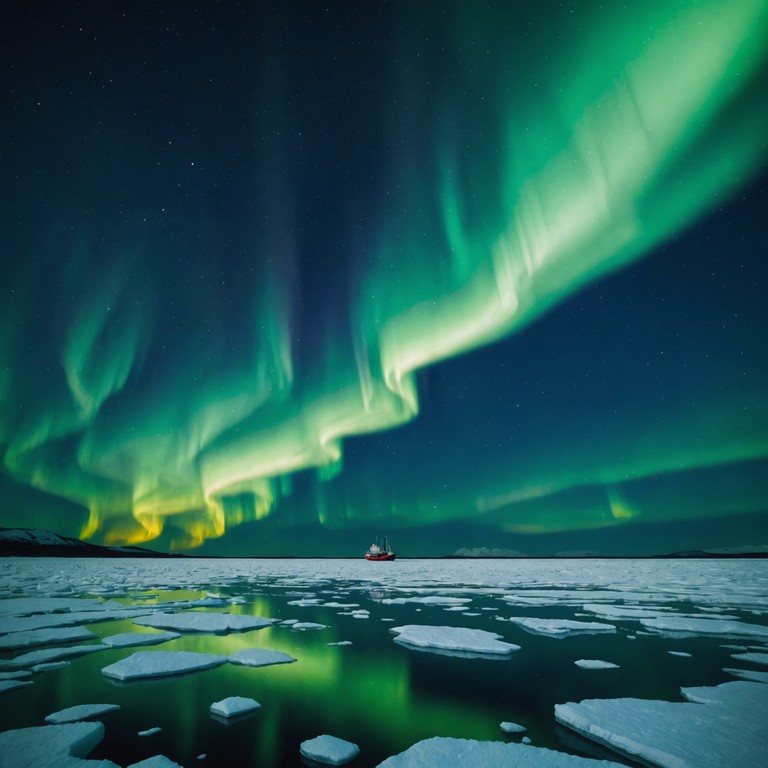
{"type": "Point", "coordinates": [746, 551]}
{"type": "Point", "coordinates": [36, 542]}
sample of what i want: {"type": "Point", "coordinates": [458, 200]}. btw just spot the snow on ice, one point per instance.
{"type": "Point", "coordinates": [329, 749]}
{"type": "Point", "coordinates": [455, 639]}
{"type": "Point", "coordinates": [159, 663]}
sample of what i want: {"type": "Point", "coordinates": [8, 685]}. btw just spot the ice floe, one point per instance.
{"type": "Point", "coordinates": [754, 658]}
{"type": "Point", "coordinates": [134, 639]}
{"type": "Point", "coordinates": [341, 642]}
{"type": "Point", "coordinates": [302, 626]}
{"type": "Point", "coordinates": [259, 657]}
{"type": "Point", "coordinates": [428, 600]}
{"type": "Point", "coordinates": [460, 640]}
{"type": "Point", "coordinates": [6, 686]}
{"type": "Point", "coordinates": [329, 749]}
{"type": "Point", "coordinates": [150, 731]}
{"type": "Point", "coordinates": [595, 664]}
{"type": "Point", "coordinates": [38, 637]}
{"type": "Point", "coordinates": [560, 628]}
{"type": "Point", "coordinates": [81, 712]}
{"type": "Point", "coordinates": [682, 654]}
{"type": "Point", "coordinates": [509, 727]}
{"type": "Point", "coordinates": [748, 674]}
{"type": "Point", "coordinates": [157, 761]}
{"type": "Point", "coordinates": [716, 728]}
{"type": "Point", "coordinates": [233, 706]}
{"type": "Point", "coordinates": [159, 663]}
{"type": "Point", "coordinates": [678, 625]}
{"type": "Point", "coordinates": [52, 746]}
{"type": "Point", "coordinates": [216, 623]}
{"type": "Point", "coordinates": [439, 752]}
{"type": "Point", "coordinates": [27, 660]}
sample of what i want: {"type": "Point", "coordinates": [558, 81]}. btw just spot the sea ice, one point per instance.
{"type": "Point", "coordinates": [754, 658]}
{"type": "Point", "coordinates": [560, 628]}
{"type": "Point", "coordinates": [259, 657]}
{"type": "Point", "coordinates": [134, 639]}
{"type": "Point", "coordinates": [341, 642]}
{"type": "Point", "coordinates": [157, 663]}
{"type": "Point", "coordinates": [678, 624]}
{"type": "Point", "coordinates": [52, 746]}
{"type": "Point", "coordinates": [47, 655]}
{"type": "Point", "coordinates": [682, 654]}
{"type": "Point", "coordinates": [453, 639]}
{"type": "Point", "coordinates": [50, 666]}
{"type": "Point", "coordinates": [595, 664]}
{"type": "Point", "coordinates": [234, 706]}
{"type": "Point", "coordinates": [38, 637]}
{"type": "Point", "coordinates": [329, 749]}
{"type": "Point", "coordinates": [6, 686]}
{"type": "Point", "coordinates": [217, 623]}
{"type": "Point", "coordinates": [149, 731]}
{"type": "Point", "coordinates": [624, 612]}
{"type": "Point", "coordinates": [748, 674]}
{"type": "Point", "coordinates": [439, 752]}
{"type": "Point", "coordinates": [716, 728]}
{"type": "Point", "coordinates": [157, 761]}
{"type": "Point", "coordinates": [304, 625]}
{"type": "Point", "coordinates": [429, 600]}
{"type": "Point", "coordinates": [17, 675]}
{"type": "Point", "coordinates": [508, 727]}
{"type": "Point", "coordinates": [81, 712]}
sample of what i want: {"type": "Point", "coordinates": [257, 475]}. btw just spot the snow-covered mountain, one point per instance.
{"type": "Point", "coordinates": [37, 542]}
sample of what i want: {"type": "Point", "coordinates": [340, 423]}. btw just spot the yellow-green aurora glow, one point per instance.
{"type": "Point", "coordinates": [240, 254]}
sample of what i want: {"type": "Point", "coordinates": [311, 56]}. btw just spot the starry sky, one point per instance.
{"type": "Point", "coordinates": [278, 278]}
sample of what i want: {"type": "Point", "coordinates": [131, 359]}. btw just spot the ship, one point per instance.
{"type": "Point", "coordinates": [375, 552]}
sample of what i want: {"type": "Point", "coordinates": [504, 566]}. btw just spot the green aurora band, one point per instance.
{"type": "Point", "coordinates": [554, 172]}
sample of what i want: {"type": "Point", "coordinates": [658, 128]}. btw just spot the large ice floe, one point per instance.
{"type": "Point", "coordinates": [160, 663]}
{"type": "Point", "coordinates": [440, 752]}
{"type": "Point", "coordinates": [52, 746]}
{"type": "Point", "coordinates": [459, 641]}
{"type": "Point", "coordinates": [715, 728]}
{"type": "Point", "coordinates": [677, 626]}
{"type": "Point", "coordinates": [37, 637]}
{"type": "Point", "coordinates": [134, 639]}
{"type": "Point", "coordinates": [329, 749]}
{"type": "Point", "coordinates": [216, 623]}
{"type": "Point", "coordinates": [34, 658]}
{"type": "Point", "coordinates": [560, 628]}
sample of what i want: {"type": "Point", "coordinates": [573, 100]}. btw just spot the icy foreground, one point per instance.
{"type": "Point", "coordinates": [716, 728]}
{"type": "Point", "coordinates": [454, 639]}
{"type": "Point", "coordinates": [52, 746]}
{"type": "Point", "coordinates": [444, 752]}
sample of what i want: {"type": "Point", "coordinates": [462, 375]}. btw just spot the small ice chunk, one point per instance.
{"type": "Point", "coordinates": [345, 606]}
{"type": "Point", "coordinates": [52, 745]}
{"type": "Point", "coordinates": [439, 752]}
{"type": "Point", "coordinates": [595, 664]}
{"type": "Point", "coordinates": [217, 623]}
{"type": "Point", "coordinates": [304, 625]}
{"type": "Point", "coordinates": [157, 663]}
{"type": "Point", "coordinates": [134, 639]}
{"type": "Point", "coordinates": [455, 639]}
{"type": "Point", "coordinates": [6, 686]}
{"type": "Point", "coordinates": [560, 628]}
{"type": "Point", "coordinates": [508, 727]}
{"type": "Point", "coordinates": [259, 657]}
{"type": "Point", "coordinates": [81, 712]}
{"type": "Point", "coordinates": [306, 602]}
{"type": "Point", "coordinates": [157, 761]}
{"type": "Point", "coordinates": [149, 731]}
{"type": "Point", "coordinates": [202, 756]}
{"type": "Point", "coordinates": [682, 654]}
{"type": "Point", "coordinates": [234, 706]}
{"type": "Point", "coordinates": [288, 622]}
{"type": "Point", "coordinates": [50, 666]}
{"type": "Point", "coordinates": [38, 637]}
{"type": "Point", "coordinates": [754, 658]}
{"type": "Point", "coordinates": [329, 749]}
{"type": "Point", "coordinates": [341, 642]}
{"type": "Point", "coordinates": [526, 739]}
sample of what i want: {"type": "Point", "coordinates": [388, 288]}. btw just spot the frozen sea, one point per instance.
{"type": "Point", "coordinates": [417, 662]}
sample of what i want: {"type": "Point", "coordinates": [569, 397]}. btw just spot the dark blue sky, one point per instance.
{"type": "Point", "coordinates": [279, 278]}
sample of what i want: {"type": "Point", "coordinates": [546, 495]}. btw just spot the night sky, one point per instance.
{"type": "Point", "coordinates": [278, 278]}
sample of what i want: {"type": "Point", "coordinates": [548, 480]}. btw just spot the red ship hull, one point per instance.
{"type": "Point", "coordinates": [390, 556]}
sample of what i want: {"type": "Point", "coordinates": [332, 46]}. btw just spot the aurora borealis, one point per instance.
{"type": "Point", "coordinates": [278, 277]}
